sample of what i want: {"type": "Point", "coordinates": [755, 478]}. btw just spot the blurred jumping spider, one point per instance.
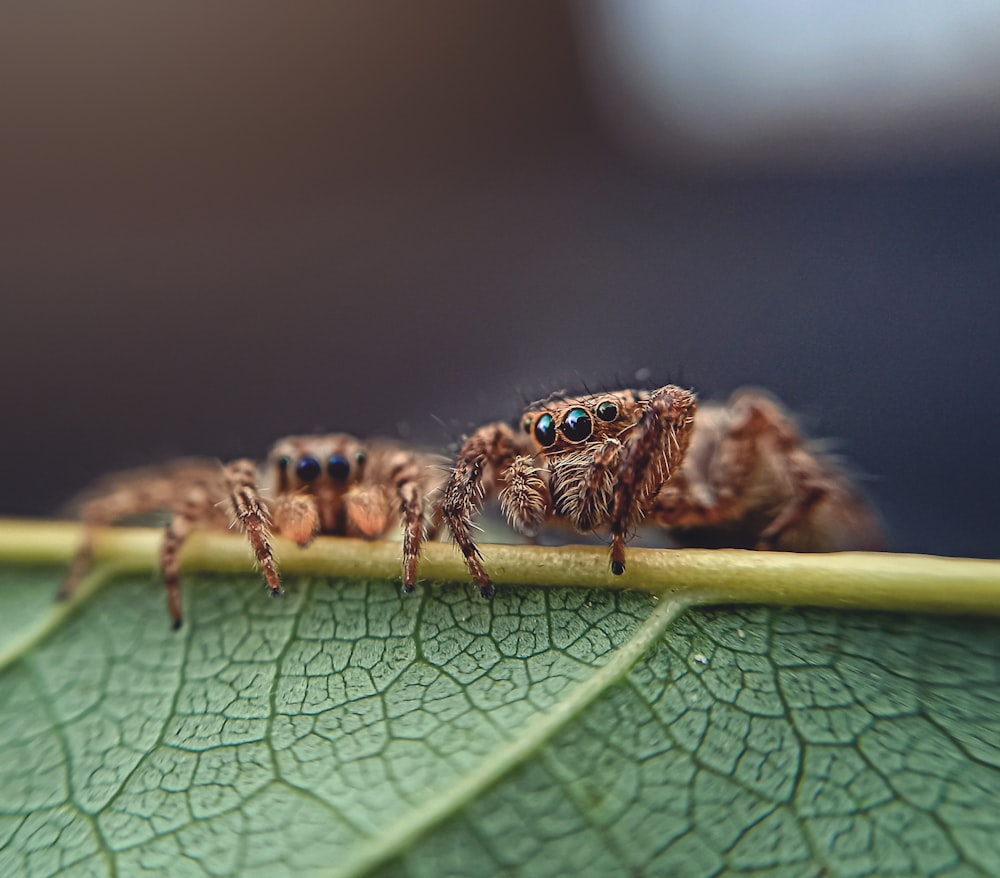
{"type": "Point", "coordinates": [739, 475]}
{"type": "Point", "coordinates": [332, 484]}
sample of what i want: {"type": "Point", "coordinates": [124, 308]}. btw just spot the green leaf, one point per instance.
{"type": "Point", "coordinates": [349, 730]}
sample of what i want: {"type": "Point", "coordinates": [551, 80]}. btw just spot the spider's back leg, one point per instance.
{"type": "Point", "coordinates": [196, 506]}
{"type": "Point", "coordinates": [133, 492]}
{"type": "Point", "coordinates": [752, 481]}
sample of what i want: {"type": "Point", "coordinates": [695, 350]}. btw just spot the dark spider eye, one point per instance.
{"type": "Point", "coordinates": [545, 431]}
{"type": "Point", "coordinates": [283, 462]}
{"type": "Point", "coordinates": [526, 424]}
{"type": "Point", "coordinates": [607, 411]}
{"type": "Point", "coordinates": [308, 469]}
{"type": "Point", "coordinates": [338, 467]}
{"type": "Point", "coordinates": [361, 457]}
{"type": "Point", "coordinates": [577, 426]}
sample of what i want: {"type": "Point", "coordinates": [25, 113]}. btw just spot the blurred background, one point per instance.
{"type": "Point", "coordinates": [223, 223]}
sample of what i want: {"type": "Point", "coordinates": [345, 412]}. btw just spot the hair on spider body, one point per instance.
{"type": "Point", "coordinates": [735, 474]}
{"type": "Point", "coordinates": [331, 484]}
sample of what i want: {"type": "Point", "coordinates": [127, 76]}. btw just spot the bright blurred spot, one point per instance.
{"type": "Point", "coordinates": [772, 80]}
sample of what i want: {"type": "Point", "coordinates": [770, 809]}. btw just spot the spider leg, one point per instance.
{"type": "Point", "coordinates": [752, 481]}
{"type": "Point", "coordinates": [251, 514]}
{"type": "Point", "coordinates": [133, 492]}
{"type": "Point", "coordinates": [406, 475]}
{"type": "Point", "coordinates": [195, 506]}
{"type": "Point", "coordinates": [821, 510]}
{"type": "Point", "coordinates": [483, 458]}
{"type": "Point", "coordinates": [653, 453]}
{"type": "Point", "coordinates": [711, 487]}
{"type": "Point", "coordinates": [240, 479]}
{"type": "Point", "coordinates": [810, 486]}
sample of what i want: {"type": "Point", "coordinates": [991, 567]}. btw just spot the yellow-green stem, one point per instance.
{"type": "Point", "coordinates": [850, 580]}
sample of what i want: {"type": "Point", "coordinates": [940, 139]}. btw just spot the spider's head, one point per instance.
{"type": "Point", "coordinates": [333, 462]}
{"type": "Point", "coordinates": [563, 425]}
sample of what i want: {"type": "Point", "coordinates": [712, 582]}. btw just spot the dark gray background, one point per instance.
{"type": "Point", "coordinates": [406, 218]}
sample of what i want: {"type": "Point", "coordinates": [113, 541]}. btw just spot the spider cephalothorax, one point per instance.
{"type": "Point", "coordinates": [324, 484]}
{"type": "Point", "coordinates": [736, 475]}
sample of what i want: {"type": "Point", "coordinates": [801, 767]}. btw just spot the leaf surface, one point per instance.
{"type": "Point", "coordinates": [348, 730]}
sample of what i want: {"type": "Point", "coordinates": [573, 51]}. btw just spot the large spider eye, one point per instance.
{"type": "Point", "coordinates": [577, 426]}
{"type": "Point", "coordinates": [526, 424]}
{"type": "Point", "coordinates": [607, 411]}
{"type": "Point", "coordinates": [308, 469]}
{"type": "Point", "coordinates": [338, 467]}
{"type": "Point", "coordinates": [545, 431]}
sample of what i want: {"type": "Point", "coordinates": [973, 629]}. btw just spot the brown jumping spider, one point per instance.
{"type": "Point", "coordinates": [332, 484]}
{"type": "Point", "coordinates": [739, 475]}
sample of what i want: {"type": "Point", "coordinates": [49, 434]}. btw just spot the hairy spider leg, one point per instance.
{"type": "Point", "coordinates": [728, 481]}
{"type": "Point", "coordinates": [484, 456]}
{"type": "Point", "coordinates": [248, 511]}
{"type": "Point", "coordinates": [129, 493]}
{"type": "Point", "coordinates": [654, 450]}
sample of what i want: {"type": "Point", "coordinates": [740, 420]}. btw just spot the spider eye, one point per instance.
{"type": "Point", "coordinates": [577, 426]}
{"type": "Point", "coordinates": [607, 411]}
{"type": "Point", "coordinates": [360, 457]}
{"type": "Point", "coordinates": [283, 462]}
{"type": "Point", "coordinates": [545, 431]}
{"type": "Point", "coordinates": [338, 467]}
{"type": "Point", "coordinates": [308, 469]}
{"type": "Point", "coordinates": [526, 424]}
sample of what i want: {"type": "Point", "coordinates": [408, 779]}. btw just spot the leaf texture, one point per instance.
{"type": "Point", "coordinates": [348, 730]}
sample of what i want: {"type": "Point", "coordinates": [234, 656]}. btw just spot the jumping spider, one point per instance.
{"type": "Point", "coordinates": [739, 475]}
{"type": "Point", "coordinates": [332, 484]}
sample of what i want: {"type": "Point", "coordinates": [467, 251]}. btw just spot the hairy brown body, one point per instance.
{"type": "Point", "coordinates": [732, 475]}
{"type": "Point", "coordinates": [325, 484]}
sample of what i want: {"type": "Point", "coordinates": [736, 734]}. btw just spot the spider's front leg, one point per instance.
{"type": "Point", "coordinates": [252, 516]}
{"type": "Point", "coordinates": [249, 512]}
{"type": "Point", "coordinates": [490, 456]}
{"type": "Point", "coordinates": [653, 452]}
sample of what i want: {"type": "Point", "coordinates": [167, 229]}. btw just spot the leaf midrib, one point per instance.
{"type": "Point", "coordinates": [418, 823]}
